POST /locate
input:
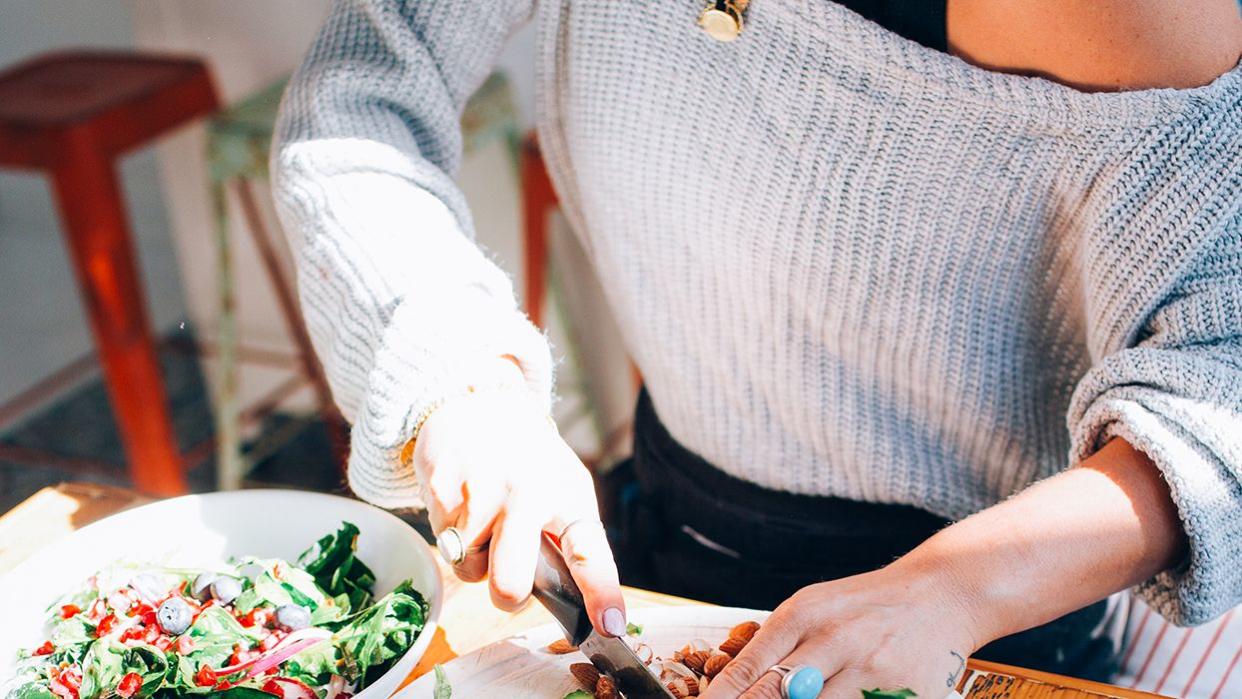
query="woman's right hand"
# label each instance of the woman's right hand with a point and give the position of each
(492, 465)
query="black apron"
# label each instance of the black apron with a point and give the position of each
(680, 526)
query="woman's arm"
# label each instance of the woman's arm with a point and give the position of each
(1057, 546)
(414, 325)
(403, 308)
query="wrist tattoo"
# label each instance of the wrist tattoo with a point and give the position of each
(951, 682)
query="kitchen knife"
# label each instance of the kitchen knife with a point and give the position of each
(559, 594)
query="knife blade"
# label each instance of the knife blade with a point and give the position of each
(559, 594)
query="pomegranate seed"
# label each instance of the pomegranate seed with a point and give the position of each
(129, 685)
(205, 677)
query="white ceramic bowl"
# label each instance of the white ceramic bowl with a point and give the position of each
(198, 529)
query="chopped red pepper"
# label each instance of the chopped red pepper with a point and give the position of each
(105, 625)
(133, 633)
(223, 686)
(68, 611)
(273, 687)
(164, 643)
(205, 677)
(129, 685)
(46, 649)
(185, 644)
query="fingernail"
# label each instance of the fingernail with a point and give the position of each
(614, 622)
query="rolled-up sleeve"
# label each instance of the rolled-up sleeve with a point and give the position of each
(402, 306)
(1176, 394)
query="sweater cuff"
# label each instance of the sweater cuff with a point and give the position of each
(428, 353)
(1193, 443)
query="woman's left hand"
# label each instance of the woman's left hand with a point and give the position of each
(898, 627)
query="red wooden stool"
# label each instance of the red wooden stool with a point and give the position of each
(72, 115)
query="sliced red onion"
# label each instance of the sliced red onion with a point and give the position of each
(292, 644)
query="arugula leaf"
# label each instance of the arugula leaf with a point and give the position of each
(241, 693)
(903, 693)
(443, 689)
(314, 665)
(335, 567)
(215, 633)
(72, 632)
(383, 631)
(148, 662)
(101, 667)
(35, 689)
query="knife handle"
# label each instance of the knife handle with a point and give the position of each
(558, 593)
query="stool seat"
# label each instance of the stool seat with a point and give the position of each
(117, 100)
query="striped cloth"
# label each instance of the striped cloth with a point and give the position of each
(1200, 662)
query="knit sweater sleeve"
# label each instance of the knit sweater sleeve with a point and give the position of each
(1175, 393)
(402, 306)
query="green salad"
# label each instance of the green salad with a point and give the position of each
(247, 629)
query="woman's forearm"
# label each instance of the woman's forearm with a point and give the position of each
(1060, 545)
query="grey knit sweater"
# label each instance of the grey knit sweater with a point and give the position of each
(845, 264)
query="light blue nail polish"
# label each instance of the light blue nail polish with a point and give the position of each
(804, 683)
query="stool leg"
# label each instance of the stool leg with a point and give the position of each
(89, 198)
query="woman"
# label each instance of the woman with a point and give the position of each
(868, 285)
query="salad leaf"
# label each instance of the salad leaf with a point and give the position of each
(73, 632)
(383, 631)
(903, 693)
(443, 689)
(148, 662)
(241, 693)
(633, 630)
(313, 666)
(35, 689)
(579, 694)
(214, 633)
(335, 567)
(102, 668)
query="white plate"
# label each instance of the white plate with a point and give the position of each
(197, 530)
(520, 668)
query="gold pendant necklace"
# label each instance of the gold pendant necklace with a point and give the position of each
(722, 19)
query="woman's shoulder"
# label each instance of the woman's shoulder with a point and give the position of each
(1101, 45)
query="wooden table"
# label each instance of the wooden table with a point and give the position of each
(468, 620)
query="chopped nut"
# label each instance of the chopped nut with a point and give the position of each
(696, 660)
(560, 647)
(605, 688)
(745, 630)
(733, 646)
(586, 674)
(715, 664)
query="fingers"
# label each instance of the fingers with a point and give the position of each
(769, 683)
(472, 511)
(589, 557)
(775, 640)
(514, 553)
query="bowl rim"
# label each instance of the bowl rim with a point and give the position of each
(434, 597)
